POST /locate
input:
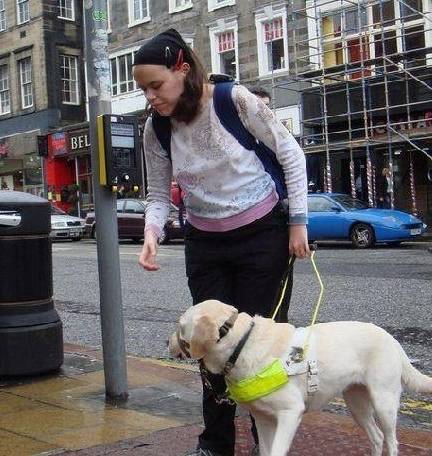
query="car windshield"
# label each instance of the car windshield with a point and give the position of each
(349, 203)
(57, 211)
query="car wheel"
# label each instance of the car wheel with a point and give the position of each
(362, 236)
(76, 239)
(163, 238)
(93, 232)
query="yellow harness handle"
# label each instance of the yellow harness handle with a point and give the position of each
(283, 291)
(317, 306)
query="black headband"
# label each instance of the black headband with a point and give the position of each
(163, 49)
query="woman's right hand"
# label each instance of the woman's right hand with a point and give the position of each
(147, 258)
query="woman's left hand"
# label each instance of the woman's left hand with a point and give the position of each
(298, 241)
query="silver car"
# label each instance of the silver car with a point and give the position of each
(65, 226)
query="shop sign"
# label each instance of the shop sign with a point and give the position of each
(418, 124)
(58, 144)
(79, 142)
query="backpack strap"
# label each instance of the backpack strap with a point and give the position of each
(227, 112)
(162, 129)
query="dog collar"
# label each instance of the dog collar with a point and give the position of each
(233, 358)
(223, 330)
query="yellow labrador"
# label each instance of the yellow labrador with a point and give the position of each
(359, 360)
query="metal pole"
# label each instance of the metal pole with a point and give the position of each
(387, 107)
(78, 192)
(44, 177)
(328, 187)
(98, 87)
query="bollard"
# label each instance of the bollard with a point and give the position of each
(31, 336)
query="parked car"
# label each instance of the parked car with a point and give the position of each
(336, 216)
(130, 220)
(65, 226)
(9, 218)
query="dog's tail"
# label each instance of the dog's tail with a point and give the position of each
(414, 380)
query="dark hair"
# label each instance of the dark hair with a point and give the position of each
(260, 92)
(169, 49)
(188, 103)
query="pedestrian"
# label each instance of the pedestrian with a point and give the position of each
(4, 185)
(359, 186)
(237, 236)
(386, 174)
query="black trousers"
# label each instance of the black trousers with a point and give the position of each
(243, 268)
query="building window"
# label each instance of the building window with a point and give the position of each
(23, 12)
(274, 43)
(66, 9)
(410, 10)
(215, 4)
(383, 14)
(272, 40)
(2, 16)
(385, 44)
(380, 35)
(69, 79)
(139, 11)
(25, 71)
(121, 74)
(179, 5)
(345, 40)
(227, 53)
(4, 90)
(393, 37)
(224, 48)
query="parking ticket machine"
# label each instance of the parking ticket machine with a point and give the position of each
(119, 151)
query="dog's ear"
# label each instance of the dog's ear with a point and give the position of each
(204, 334)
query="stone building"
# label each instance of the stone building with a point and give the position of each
(42, 76)
(251, 40)
(41, 83)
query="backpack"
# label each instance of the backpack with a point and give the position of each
(229, 118)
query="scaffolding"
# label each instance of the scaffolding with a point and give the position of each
(364, 72)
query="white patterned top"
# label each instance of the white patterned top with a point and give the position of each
(221, 179)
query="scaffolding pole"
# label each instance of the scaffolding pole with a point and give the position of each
(379, 52)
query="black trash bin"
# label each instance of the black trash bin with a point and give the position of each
(31, 336)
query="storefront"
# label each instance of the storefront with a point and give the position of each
(20, 165)
(372, 139)
(379, 174)
(68, 171)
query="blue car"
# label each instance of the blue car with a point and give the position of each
(335, 216)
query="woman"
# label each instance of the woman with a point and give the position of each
(236, 237)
